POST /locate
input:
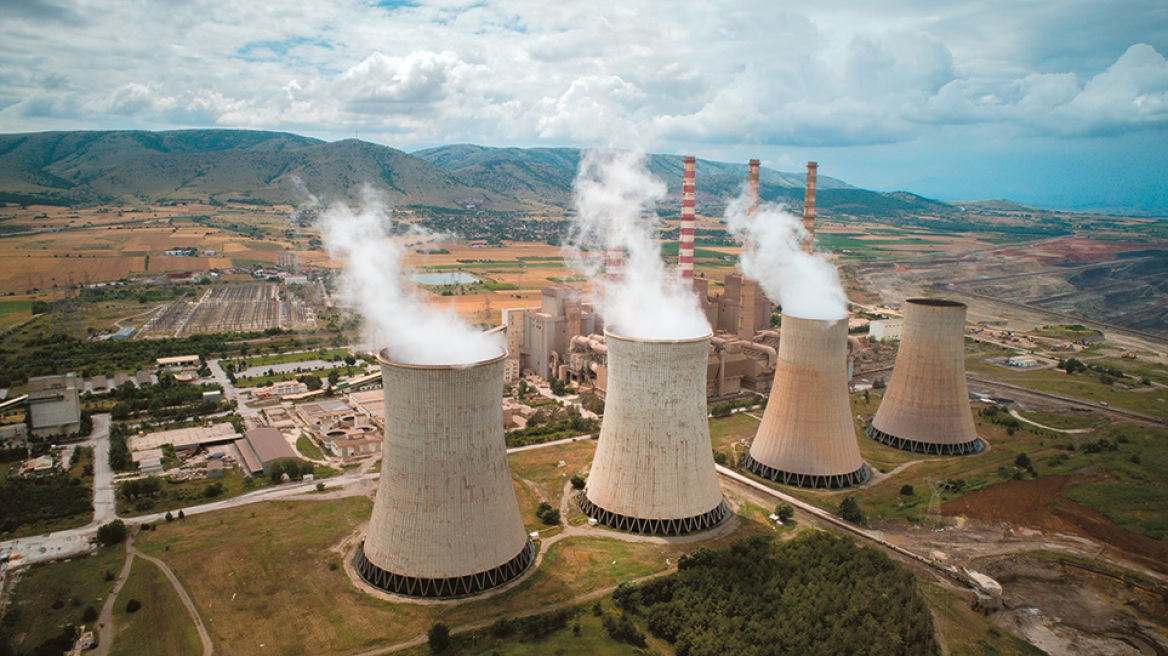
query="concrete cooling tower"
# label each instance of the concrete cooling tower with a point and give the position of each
(807, 437)
(926, 407)
(654, 468)
(446, 521)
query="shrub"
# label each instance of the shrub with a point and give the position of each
(578, 482)
(112, 533)
(785, 511)
(133, 605)
(438, 638)
(906, 490)
(547, 514)
(850, 511)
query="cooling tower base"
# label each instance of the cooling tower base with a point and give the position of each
(695, 524)
(455, 586)
(822, 481)
(928, 448)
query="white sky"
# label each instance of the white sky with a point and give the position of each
(1043, 102)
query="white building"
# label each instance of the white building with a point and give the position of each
(885, 328)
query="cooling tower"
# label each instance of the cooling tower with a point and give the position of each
(445, 522)
(926, 406)
(807, 437)
(654, 468)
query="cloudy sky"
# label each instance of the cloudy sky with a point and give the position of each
(1060, 104)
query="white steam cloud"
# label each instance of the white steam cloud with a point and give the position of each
(374, 283)
(614, 197)
(806, 285)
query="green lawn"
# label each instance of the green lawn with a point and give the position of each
(1062, 421)
(14, 307)
(331, 355)
(308, 448)
(161, 626)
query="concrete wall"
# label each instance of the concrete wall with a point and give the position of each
(445, 505)
(654, 460)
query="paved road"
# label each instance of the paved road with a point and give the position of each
(104, 508)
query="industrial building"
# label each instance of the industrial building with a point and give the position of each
(260, 447)
(538, 341)
(883, 329)
(446, 521)
(926, 407)
(807, 437)
(54, 405)
(654, 469)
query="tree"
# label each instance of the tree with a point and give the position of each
(578, 482)
(850, 511)
(1022, 461)
(169, 517)
(785, 511)
(439, 638)
(181, 514)
(906, 490)
(133, 605)
(111, 533)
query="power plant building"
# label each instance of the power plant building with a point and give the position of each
(446, 521)
(807, 437)
(538, 341)
(54, 405)
(654, 469)
(926, 406)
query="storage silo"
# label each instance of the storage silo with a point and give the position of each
(654, 469)
(446, 521)
(807, 437)
(926, 406)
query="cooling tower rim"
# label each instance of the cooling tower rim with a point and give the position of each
(384, 358)
(935, 302)
(825, 322)
(608, 334)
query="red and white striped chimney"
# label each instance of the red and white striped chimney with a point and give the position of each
(612, 265)
(809, 209)
(685, 246)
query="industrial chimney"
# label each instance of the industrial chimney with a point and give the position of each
(809, 209)
(654, 469)
(926, 406)
(807, 437)
(752, 187)
(685, 246)
(446, 522)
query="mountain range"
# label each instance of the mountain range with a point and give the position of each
(275, 167)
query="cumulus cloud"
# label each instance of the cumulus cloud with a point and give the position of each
(576, 74)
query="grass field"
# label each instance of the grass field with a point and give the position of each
(308, 448)
(192, 493)
(161, 626)
(1054, 420)
(49, 596)
(328, 355)
(263, 574)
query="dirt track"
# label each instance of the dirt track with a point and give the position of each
(1040, 504)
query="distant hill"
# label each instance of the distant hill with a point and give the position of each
(276, 167)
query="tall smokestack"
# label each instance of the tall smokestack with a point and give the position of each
(806, 437)
(685, 247)
(926, 406)
(654, 469)
(752, 188)
(445, 522)
(809, 208)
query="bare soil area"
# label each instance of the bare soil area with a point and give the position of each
(1040, 503)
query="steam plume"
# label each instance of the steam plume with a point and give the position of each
(373, 282)
(806, 285)
(614, 197)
